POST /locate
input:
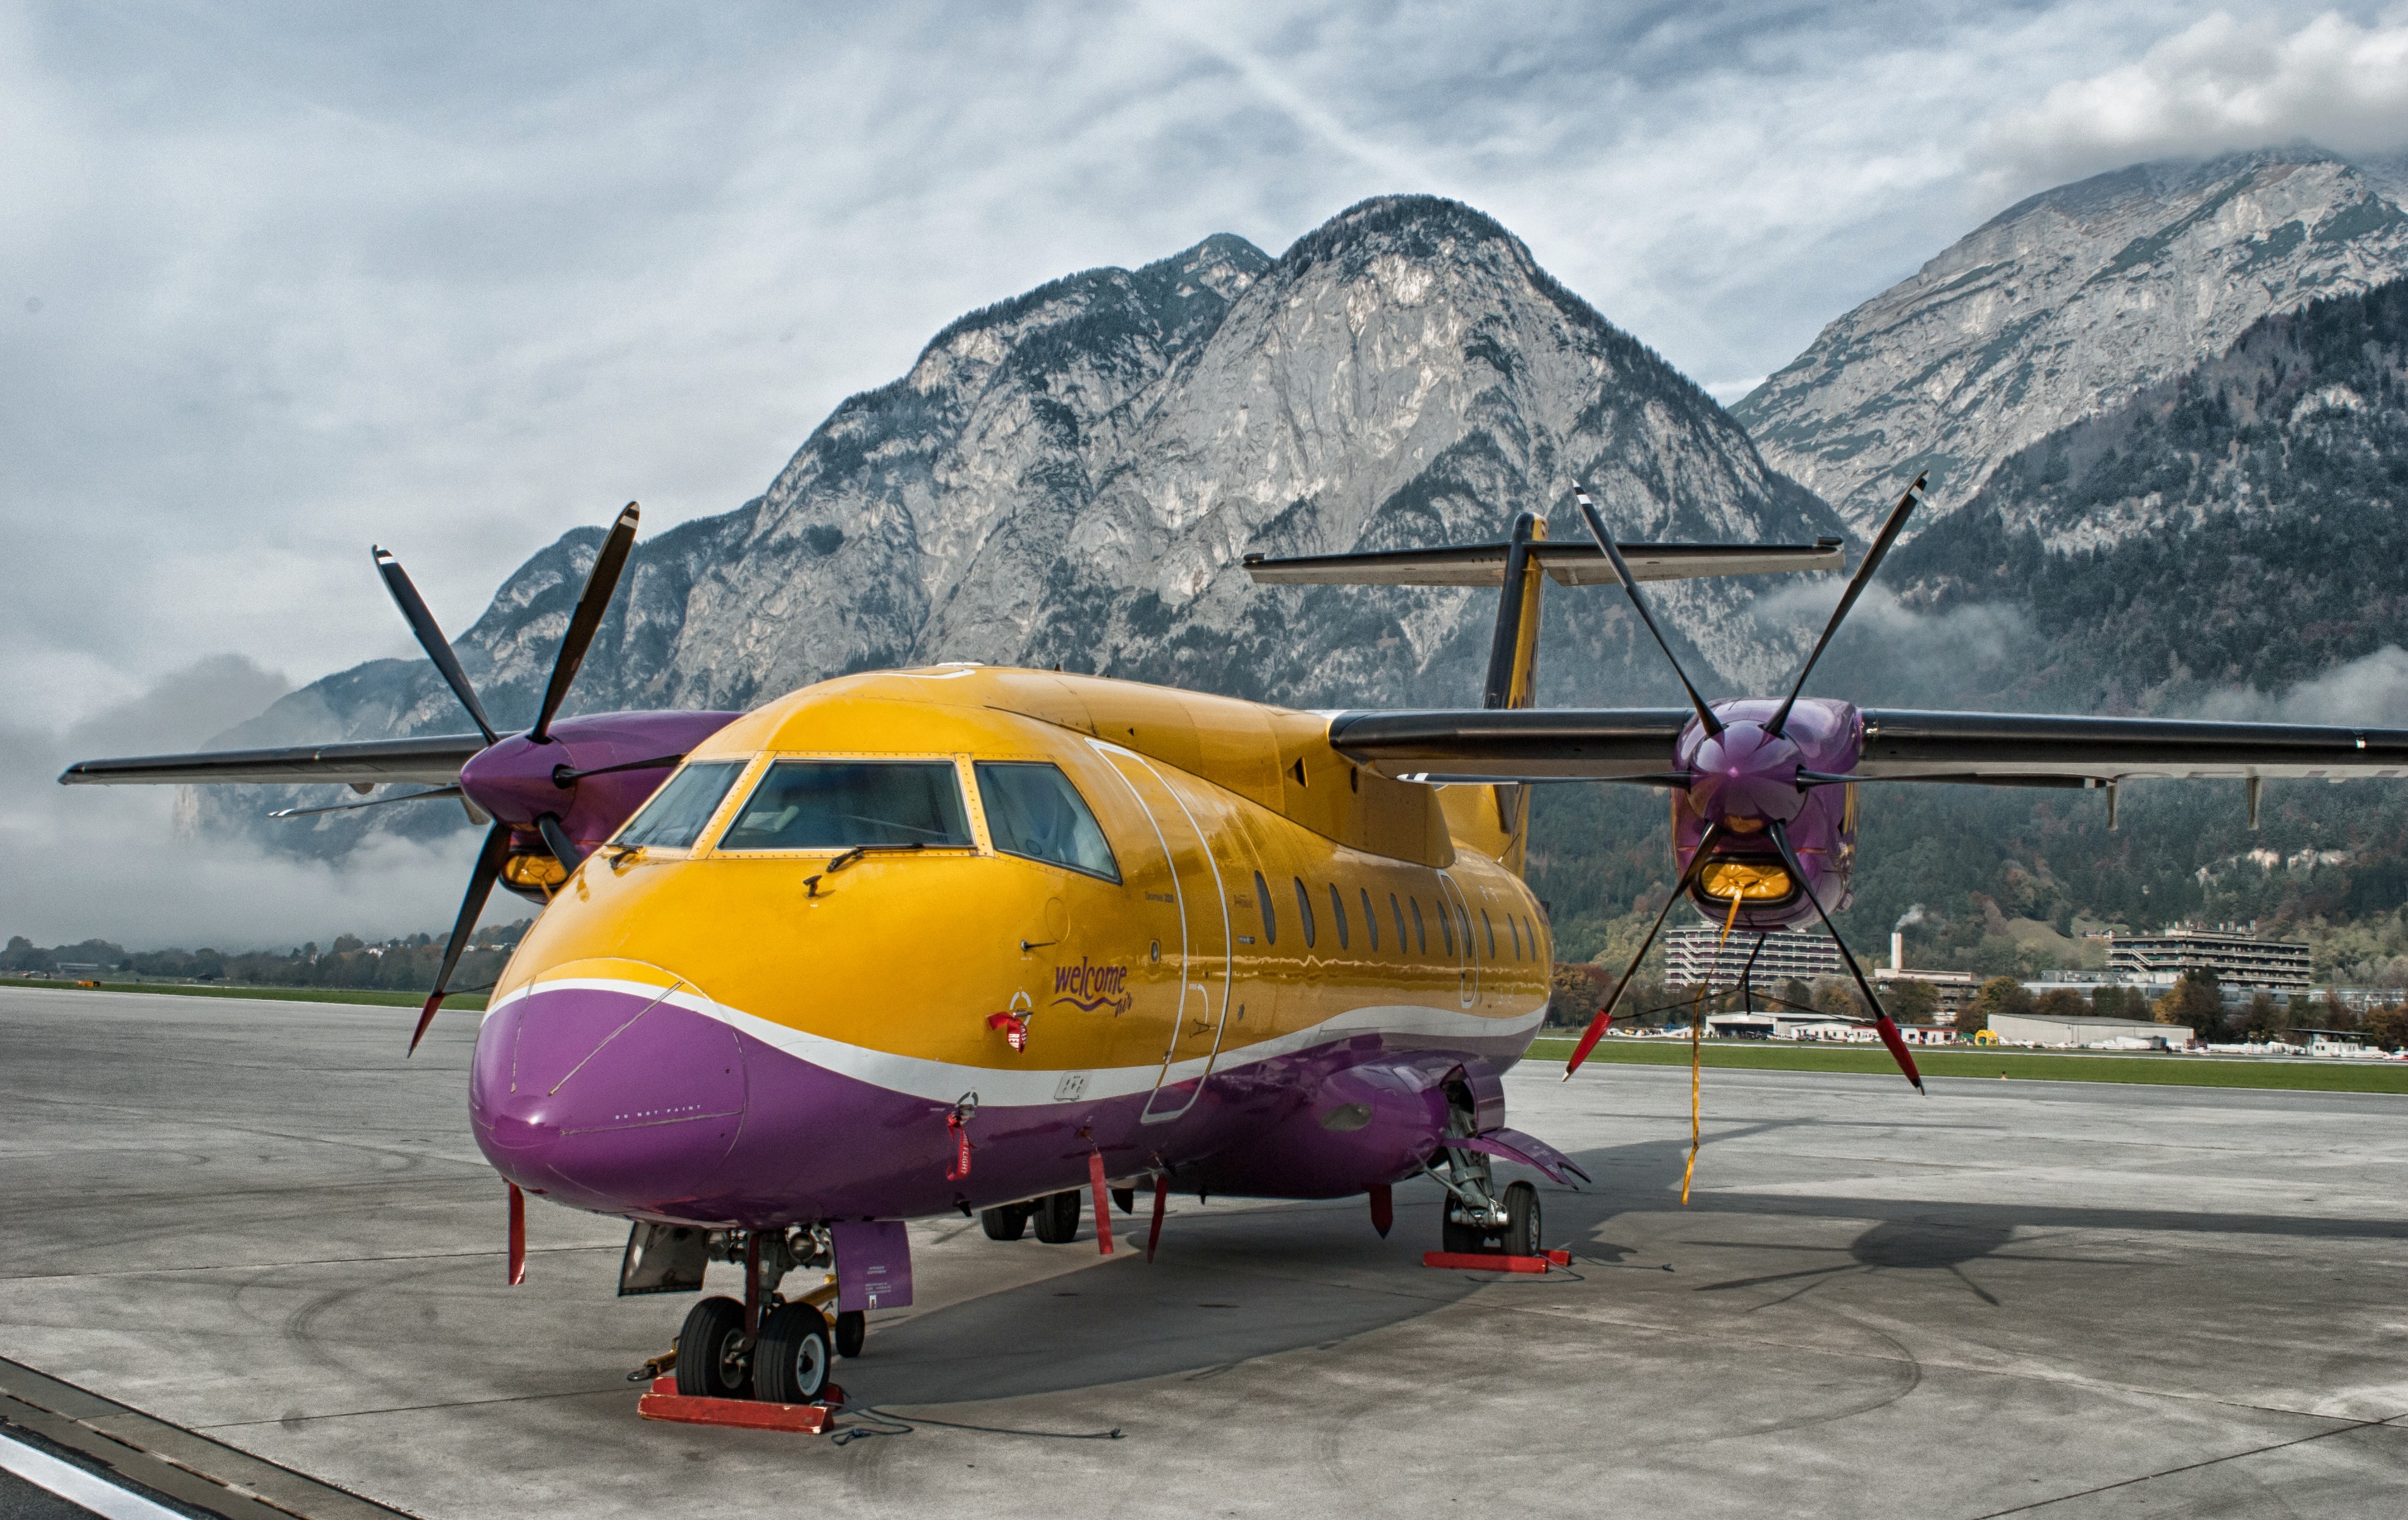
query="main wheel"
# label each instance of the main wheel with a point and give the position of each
(791, 1364)
(711, 1358)
(852, 1329)
(1523, 1232)
(1009, 1223)
(1057, 1217)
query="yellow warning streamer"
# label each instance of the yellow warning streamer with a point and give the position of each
(1697, 1046)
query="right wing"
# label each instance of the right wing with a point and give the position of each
(433, 759)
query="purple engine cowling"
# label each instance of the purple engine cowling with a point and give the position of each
(1745, 779)
(517, 780)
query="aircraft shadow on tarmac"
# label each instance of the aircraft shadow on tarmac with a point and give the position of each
(1248, 1282)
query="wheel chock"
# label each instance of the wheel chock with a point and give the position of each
(1495, 1261)
(664, 1402)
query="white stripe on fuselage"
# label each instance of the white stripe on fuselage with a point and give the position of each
(944, 1081)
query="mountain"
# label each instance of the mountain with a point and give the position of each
(1074, 475)
(2062, 306)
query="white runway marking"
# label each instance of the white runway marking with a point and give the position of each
(77, 1486)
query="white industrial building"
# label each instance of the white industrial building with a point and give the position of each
(2236, 959)
(2085, 1033)
(1697, 953)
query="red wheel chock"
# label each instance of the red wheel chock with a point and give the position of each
(666, 1403)
(1495, 1261)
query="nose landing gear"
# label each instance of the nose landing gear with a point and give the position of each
(768, 1347)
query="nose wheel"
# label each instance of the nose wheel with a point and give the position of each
(713, 1359)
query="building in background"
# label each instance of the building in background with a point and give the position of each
(2089, 1032)
(1691, 957)
(2236, 959)
(1955, 988)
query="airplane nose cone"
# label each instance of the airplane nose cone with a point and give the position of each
(604, 1092)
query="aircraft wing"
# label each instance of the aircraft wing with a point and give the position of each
(434, 759)
(1510, 744)
(2047, 749)
(1567, 562)
(1992, 749)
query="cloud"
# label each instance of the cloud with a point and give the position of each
(2370, 692)
(112, 862)
(2220, 84)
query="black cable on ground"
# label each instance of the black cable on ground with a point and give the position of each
(904, 1427)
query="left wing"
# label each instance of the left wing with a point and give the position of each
(1996, 749)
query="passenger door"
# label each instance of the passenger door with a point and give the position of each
(1451, 901)
(1181, 819)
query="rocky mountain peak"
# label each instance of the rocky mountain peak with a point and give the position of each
(1074, 476)
(2060, 307)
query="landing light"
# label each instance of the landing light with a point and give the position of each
(1729, 879)
(534, 871)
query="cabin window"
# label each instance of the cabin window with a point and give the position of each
(1513, 927)
(1534, 937)
(680, 810)
(1304, 910)
(1421, 936)
(1445, 926)
(1465, 919)
(1033, 810)
(1397, 914)
(1489, 924)
(840, 804)
(1338, 911)
(1270, 920)
(1370, 920)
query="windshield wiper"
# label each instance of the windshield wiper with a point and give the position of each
(853, 854)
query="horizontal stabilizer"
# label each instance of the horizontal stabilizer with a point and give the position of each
(1566, 562)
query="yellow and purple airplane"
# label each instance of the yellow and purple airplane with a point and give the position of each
(989, 940)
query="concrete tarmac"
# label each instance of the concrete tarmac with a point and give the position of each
(257, 1222)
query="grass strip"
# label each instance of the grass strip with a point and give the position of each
(2326, 1074)
(376, 996)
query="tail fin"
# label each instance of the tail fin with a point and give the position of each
(1513, 667)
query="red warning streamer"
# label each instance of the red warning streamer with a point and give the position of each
(1103, 1202)
(518, 1236)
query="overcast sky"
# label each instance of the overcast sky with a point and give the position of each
(287, 280)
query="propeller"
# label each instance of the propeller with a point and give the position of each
(600, 582)
(1884, 1024)
(430, 637)
(1630, 584)
(1856, 584)
(583, 624)
(487, 870)
(1595, 1030)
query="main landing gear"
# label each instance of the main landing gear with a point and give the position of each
(1056, 1216)
(768, 1346)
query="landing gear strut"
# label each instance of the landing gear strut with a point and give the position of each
(765, 1346)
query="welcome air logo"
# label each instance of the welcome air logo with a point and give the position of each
(1093, 989)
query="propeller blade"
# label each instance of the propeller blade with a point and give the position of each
(431, 640)
(372, 802)
(1884, 1024)
(1856, 584)
(600, 582)
(1605, 1015)
(556, 839)
(1630, 585)
(472, 906)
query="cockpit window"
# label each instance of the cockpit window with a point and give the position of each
(676, 816)
(837, 804)
(1032, 810)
